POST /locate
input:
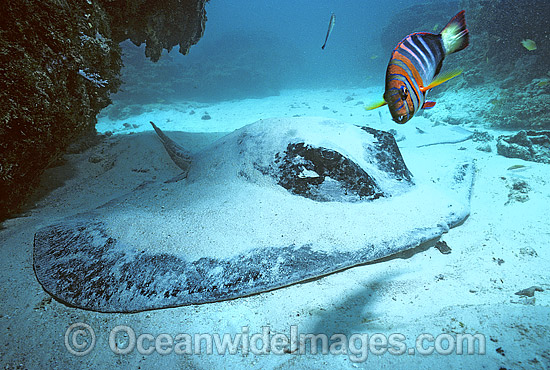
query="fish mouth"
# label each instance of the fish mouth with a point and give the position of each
(400, 111)
(400, 119)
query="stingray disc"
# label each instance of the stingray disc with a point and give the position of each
(277, 202)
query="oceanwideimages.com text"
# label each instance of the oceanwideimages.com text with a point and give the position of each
(80, 339)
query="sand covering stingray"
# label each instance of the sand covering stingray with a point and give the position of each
(277, 202)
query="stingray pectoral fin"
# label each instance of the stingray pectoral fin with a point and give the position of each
(180, 156)
(375, 105)
(442, 78)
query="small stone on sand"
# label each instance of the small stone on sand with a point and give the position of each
(530, 292)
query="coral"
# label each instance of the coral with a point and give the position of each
(498, 58)
(58, 67)
(527, 145)
(60, 61)
(517, 109)
(158, 24)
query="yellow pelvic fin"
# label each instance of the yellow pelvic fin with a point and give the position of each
(375, 105)
(442, 78)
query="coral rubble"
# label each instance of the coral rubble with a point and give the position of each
(527, 145)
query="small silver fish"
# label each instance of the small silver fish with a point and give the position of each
(330, 27)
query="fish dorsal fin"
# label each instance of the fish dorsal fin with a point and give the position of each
(442, 78)
(375, 105)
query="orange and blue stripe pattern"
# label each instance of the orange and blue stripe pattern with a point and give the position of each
(414, 65)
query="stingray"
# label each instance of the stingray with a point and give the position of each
(277, 202)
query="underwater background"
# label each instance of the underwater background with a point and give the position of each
(257, 49)
(272, 46)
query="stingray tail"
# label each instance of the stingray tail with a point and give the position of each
(180, 156)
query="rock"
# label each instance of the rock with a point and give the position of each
(58, 67)
(443, 247)
(529, 292)
(84, 143)
(527, 145)
(519, 191)
(486, 147)
(206, 116)
(158, 24)
(482, 136)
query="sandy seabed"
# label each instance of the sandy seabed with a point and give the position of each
(502, 248)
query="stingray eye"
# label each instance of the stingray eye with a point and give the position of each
(403, 92)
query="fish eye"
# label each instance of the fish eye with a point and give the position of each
(403, 92)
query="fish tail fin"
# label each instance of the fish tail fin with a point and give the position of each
(455, 35)
(375, 105)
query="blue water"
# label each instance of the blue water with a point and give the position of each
(298, 29)
(255, 49)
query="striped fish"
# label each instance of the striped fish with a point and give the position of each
(414, 68)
